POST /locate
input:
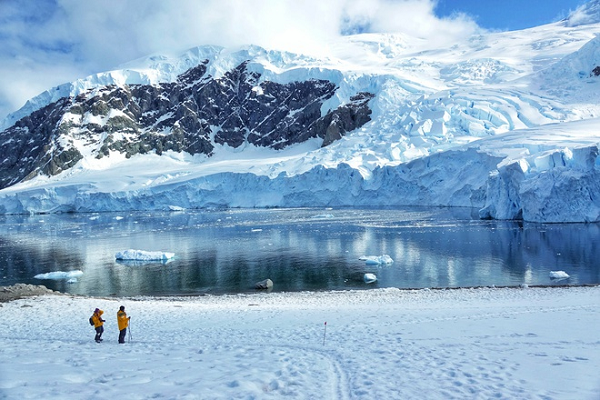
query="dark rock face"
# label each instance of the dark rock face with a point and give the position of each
(596, 71)
(190, 115)
(33, 146)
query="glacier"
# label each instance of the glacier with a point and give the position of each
(507, 123)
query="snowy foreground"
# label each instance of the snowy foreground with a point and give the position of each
(533, 343)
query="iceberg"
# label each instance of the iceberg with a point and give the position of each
(377, 260)
(559, 275)
(60, 275)
(141, 255)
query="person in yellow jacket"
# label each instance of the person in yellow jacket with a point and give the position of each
(123, 321)
(98, 324)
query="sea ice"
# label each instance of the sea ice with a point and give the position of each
(141, 255)
(59, 275)
(377, 260)
(558, 275)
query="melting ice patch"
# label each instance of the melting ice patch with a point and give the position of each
(141, 255)
(60, 275)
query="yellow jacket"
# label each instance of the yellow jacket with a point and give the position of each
(122, 320)
(97, 318)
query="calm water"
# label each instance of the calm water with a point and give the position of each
(299, 249)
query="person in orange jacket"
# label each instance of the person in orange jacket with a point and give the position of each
(98, 324)
(123, 321)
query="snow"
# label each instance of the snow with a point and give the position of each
(143, 255)
(60, 275)
(531, 343)
(506, 122)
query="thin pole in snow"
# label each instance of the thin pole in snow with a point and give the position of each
(324, 333)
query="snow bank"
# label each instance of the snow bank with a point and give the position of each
(60, 275)
(376, 344)
(141, 255)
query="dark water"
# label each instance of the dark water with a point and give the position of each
(298, 249)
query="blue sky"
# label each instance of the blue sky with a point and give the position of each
(44, 43)
(509, 14)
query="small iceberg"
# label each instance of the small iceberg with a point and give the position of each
(369, 278)
(559, 275)
(323, 216)
(377, 260)
(141, 255)
(60, 275)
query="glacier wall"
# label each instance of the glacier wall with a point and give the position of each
(557, 186)
(452, 178)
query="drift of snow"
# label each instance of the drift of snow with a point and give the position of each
(60, 275)
(142, 255)
(535, 343)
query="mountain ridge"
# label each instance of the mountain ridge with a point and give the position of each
(380, 105)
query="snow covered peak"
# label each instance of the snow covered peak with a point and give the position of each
(164, 68)
(586, 14)
(398, 120)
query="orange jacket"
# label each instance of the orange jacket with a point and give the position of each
(97, 318)
(122, 320)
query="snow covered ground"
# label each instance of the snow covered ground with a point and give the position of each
(530, 343)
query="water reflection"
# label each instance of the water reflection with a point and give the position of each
(299, 249)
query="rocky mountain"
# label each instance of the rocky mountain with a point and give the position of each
(191, 115)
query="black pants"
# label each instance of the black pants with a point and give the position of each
(122, 333)
(99, 331)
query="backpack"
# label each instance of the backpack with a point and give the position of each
(92, 320)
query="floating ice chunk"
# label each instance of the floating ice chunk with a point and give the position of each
(72, 280)
(141, 255)
(322, 216)
(369, 278)
(377, 260)
(60, 275)
(559, 275)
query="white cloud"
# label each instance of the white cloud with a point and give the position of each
(69, 39)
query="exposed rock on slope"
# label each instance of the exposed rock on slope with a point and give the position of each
(190, 115)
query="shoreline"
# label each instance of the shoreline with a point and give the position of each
(21, 290)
